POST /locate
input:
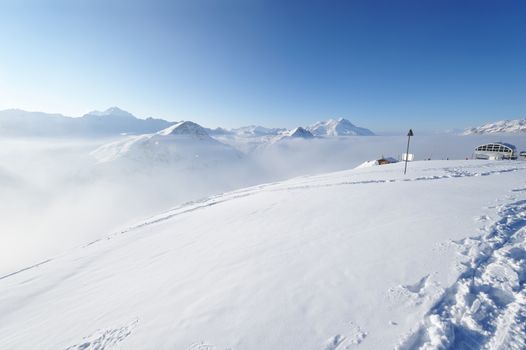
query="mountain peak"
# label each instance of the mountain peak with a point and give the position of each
(338, 127)
(185, 128)
(344, 121)
(300, 132)
(112, 111)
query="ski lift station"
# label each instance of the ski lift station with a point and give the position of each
(495, 151)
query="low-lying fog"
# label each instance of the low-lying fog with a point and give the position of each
(54, 194)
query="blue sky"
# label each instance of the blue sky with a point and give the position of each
(387, 65)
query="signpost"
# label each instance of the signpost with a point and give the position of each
(409, 134)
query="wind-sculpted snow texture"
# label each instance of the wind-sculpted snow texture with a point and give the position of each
(358, 259)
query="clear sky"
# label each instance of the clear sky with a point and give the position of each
(385, 65)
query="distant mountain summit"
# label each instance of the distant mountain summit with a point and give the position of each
(115, 121)
(500, 127)
(299, 132)
(111, 112)
(186, 128)
(338, 127)
(185, 144)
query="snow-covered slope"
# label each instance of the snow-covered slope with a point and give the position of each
(183, 142)
(503, 126)
(338, 127)
(365, 258)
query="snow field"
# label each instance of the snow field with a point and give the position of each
(365, 258)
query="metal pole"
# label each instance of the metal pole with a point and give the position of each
(409, 134)
(407, 154)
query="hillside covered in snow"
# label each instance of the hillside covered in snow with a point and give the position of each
(500, 127)
(182, 142)
(366, 258)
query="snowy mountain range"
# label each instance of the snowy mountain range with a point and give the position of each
(328, 128)
(503, 126)
(113, 121)
(338, 127)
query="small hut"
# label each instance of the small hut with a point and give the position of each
(385, 160)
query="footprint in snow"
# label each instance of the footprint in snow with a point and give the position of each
(416, 293)
(105, 338)
(482, 218)
(418, 287)
(203, 346)
(353, 337)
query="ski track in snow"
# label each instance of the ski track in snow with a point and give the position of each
(221, 198)
(486, 307)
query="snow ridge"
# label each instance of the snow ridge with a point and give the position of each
(486, 307)
(503, 126)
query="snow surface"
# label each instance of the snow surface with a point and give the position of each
(365, 258)
(503, 126)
